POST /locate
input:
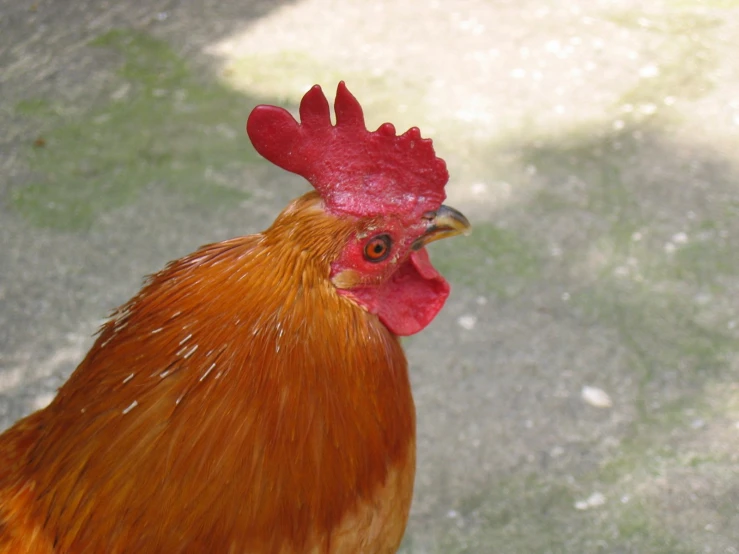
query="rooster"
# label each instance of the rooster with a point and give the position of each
(254, 397)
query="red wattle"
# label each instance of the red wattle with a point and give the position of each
(412, 297)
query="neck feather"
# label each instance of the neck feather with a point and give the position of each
(237, 399)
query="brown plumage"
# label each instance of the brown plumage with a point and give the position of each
(249, 399)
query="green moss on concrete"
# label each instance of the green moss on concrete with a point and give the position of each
(491, 260)
(528, 513)
(147, 61)
(662, 334)
(596, 162)
(163, 127)
(35, 107)
(703, 260)
(682, 54)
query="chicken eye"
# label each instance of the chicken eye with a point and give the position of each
(377, 248)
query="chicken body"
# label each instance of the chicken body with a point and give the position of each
(238, 404)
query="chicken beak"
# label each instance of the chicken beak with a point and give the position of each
(444, 222)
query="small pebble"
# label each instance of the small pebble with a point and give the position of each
(596, 397)
(556, 452)
(467, 322)
(594, 500)
(680, 238)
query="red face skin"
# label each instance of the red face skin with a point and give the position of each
(404, 290)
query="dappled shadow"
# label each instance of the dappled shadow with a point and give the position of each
(630, 286)
(605, 260)
(51, 59)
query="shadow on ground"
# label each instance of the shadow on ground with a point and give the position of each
(616, 270)
(602, 257)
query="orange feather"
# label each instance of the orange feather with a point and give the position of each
(238, 403)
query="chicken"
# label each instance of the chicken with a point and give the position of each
(254, 396)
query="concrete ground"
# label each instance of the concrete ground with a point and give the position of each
(579, 392)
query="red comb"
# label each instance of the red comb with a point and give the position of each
(355, 171)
